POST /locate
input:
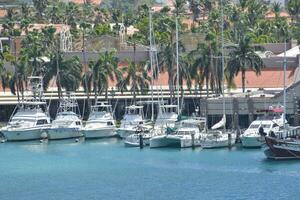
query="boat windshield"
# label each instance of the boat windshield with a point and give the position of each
(266, 125)
(254, 126)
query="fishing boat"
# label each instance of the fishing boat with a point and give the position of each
(132, 120)
(30, 119)
(167, 117)
(286, 145)
(100, 123)
(67, 123)
(272, 120)
(188, 134)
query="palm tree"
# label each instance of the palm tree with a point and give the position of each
(67, 72)
(136, 75)
(5, 75)
(102, 71)
(70, 73)
(194, 6)
(293, 7)
(40, 7)
(179, 7)
(241, 58)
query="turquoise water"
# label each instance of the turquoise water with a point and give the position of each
(104, 169)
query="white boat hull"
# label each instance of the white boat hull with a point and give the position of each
(134, 140)
(164, 141)
(211, 143)
(24, 134)
(251, 141)
(64, 133)
(99, 133)
(124, 133)
(173, 141)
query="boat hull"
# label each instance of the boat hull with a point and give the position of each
(173, 141)
(99, 133)
(23, 135)
(279, 150)
(64, 133)
(217, 144)
(251, 142)
(165, 141)
(124, 133)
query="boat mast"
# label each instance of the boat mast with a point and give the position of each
(284, 86)
(223, 74)
(177, 66)
(151, 64)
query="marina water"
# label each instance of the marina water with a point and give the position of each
(104, 169)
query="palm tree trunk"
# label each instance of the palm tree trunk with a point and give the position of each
(243, 80)
(106, 93)
(95, 92)
(206, 79)
(85, 69)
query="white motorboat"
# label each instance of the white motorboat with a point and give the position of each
(30, 119)
(141, 137)
(188, 134)
(218, 139)
(67, 123)
(271, 121)
(132, 120)
(100, 123)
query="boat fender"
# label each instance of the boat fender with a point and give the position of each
(44, 135)
(76, 140)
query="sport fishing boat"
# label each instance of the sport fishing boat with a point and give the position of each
(100, 123)
(167, 117)
(272, 120)
(132, 120)
(286, 145)
(67, 123)
(30, 119)
(188, 134)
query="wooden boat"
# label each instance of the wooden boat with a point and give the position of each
(288, 148)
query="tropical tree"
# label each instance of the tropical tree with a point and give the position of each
(136, 75)
(66, 71)
(241, 58)
(102, 71)
(40, 7)
(5, 75)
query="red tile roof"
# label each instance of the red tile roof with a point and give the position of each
(269, 78)
(3, 13)
(271, 15)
